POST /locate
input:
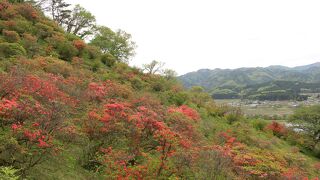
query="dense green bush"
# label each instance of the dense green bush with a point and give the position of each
(66, 50)
(8, 173)
(259, 124)
(108, 59)
(11, 49)
(21, 26)
(91, 52)
(44, 31)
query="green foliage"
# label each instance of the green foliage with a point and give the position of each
(11, 49)
(66, 51)
(21, 26)
(81, 22)
(308, 119)
(108, 59)
(43, 30)
(8, 173)
(233, 115)
(259, 124)
(118, 43)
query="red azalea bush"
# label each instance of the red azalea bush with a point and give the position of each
(187, 111)
(79, 44)
(11, 36)
(145, 132)
(277, 129)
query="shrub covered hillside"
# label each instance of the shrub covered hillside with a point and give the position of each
(71, 110)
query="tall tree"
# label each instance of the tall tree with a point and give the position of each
(58, 10)
(81, 22)
(153, 67)
(169, 73)
(118, 44)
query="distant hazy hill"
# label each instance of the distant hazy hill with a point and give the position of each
(236, 82)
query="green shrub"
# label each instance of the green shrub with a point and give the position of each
(8, 173)
(108, 59)
(259, 124)
(44, 31)
(176, 98)
(22, 26)
(11, 49)
(71, 37)
(96, 65)
(233, 115)
(66, 50)
(91, 52)
(137, 83)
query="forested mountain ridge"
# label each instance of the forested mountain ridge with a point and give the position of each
(210, 79)
(270, 83)
(76, 110)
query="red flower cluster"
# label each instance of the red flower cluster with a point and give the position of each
(16, 127)
(33, 84)
(6, 104)
(38, 137)
(277, 128)
(187, 111)
(79, 44)
(97, 91)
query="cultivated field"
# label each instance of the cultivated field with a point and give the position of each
(266, 108)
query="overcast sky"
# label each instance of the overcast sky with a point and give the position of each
(192, 34)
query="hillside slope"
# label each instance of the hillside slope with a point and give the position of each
(70, 111)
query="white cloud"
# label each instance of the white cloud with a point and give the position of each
(191, 34)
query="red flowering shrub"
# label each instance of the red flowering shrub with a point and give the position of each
(4, 5)
(7, 11)
(293, 173)
(97, 91)
(76, 61)
(145, 133)
(11, 36)
(118, 167)
(27, 11)
(10, 24)
(277, 129)
(34, 108)
(107, 90)
(6, 105)
(187, 111)
(6, 109)
(253, 161)
(79, 44)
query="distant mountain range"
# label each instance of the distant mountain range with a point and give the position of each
(238, 82)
